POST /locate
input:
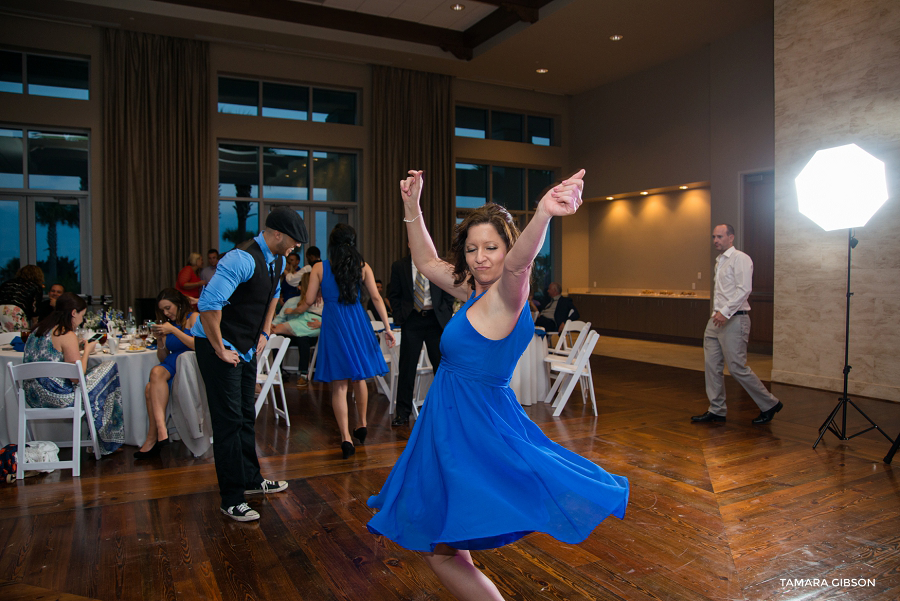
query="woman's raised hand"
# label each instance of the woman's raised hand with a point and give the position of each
(411, 189)
(565, 197)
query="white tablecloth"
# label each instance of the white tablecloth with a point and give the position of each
(134, 373)
(529, 379)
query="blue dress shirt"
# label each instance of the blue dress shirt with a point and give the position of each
(234, 268)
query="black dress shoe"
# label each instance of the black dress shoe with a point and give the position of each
(765, 417)
(360, 434)
(400, 421)
(708, 417)
(347, 448)
(154, 450)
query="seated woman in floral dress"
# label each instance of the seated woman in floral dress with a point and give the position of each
(301, 322)
(54, 339)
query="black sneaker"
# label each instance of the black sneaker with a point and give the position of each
(241, 513)
(267, 486)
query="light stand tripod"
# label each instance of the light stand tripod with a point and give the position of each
(843, 400)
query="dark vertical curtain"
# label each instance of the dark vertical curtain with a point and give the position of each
(158, 201)
(412, 128)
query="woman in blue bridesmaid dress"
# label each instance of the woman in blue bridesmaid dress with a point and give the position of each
(348, 350)
(477, 473)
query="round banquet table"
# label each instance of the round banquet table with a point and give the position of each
(134, 372)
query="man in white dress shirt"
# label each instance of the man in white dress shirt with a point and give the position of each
(728, 331)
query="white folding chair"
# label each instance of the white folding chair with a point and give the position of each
(565, 341)
(268, 373)
(371, 315)
(7, 337)
(312, 362)
(565, 344)
(424, 377)
(391, 355)
(576, 367)
(81, 407)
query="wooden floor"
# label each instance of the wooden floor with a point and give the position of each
(722, 511)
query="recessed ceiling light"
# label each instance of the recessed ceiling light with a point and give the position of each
(609, 198)
(615, 38)
(682, 187)
(458, 7)
(644, 193)
(542, 70)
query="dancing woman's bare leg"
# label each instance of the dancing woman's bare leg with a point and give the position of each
(456, 570)
(339, 405)
(361, 392)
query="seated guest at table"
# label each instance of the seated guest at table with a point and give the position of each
(290, 279)
(387, 303)
(555, 310)
(313, 256)
(20, 298)
(301, 322)
(175, 317)
(212, 259)
(47, 306)
(188, 282)
(54, 339)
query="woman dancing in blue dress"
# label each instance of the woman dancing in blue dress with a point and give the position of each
(348, 350)
(476, 472)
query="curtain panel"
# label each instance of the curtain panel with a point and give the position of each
(412, 128)
(158, 197)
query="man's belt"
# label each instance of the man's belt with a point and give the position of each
(423, 312)
(740, 313)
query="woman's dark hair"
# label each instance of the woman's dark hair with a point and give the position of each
(60, 321)
(179, 300)
(346, 262)
(31, 273)
(490, 213)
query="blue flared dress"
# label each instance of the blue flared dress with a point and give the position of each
(477, 473)
(348, 348)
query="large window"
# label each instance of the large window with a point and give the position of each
(518, 189)
(287, 101)
(503, 125)
(42, 75)
(321, 185)
(43, 202)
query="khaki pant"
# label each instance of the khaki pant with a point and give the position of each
(729, 343)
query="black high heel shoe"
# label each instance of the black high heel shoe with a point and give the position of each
(347, 448)
(154, 450)
(360, 433)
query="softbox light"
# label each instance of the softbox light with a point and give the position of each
(841, 187)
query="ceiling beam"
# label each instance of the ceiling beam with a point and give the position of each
(343, 20)
(525, 10)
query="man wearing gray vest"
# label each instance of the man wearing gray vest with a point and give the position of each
(728, 331)
(236, 310)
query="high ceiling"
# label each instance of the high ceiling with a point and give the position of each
(496, 41)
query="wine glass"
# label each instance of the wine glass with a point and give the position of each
(143, 332)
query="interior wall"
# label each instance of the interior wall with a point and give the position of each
(660, 241)
(649, 130)
(704, 117)
(830, 90)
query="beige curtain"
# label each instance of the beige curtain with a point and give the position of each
(158, 198)
(412, 128)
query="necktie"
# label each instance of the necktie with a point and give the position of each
(419, 291)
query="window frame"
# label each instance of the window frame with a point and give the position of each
(312, 208)
(310, 89)
(489, 124)
(24, 54)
